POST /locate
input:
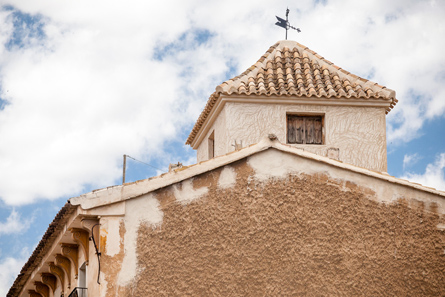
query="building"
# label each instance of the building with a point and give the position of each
(290, 197)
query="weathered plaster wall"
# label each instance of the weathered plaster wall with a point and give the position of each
(279, 224)
(358, 132)
(111, 265)
(221, 145)
(91, 270)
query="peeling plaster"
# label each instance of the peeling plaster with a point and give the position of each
(273, 163)
(145, 209)
(126, 192)
(291, 235)
(104, 283)
(186, 193)
(227, 178)
(113, 246)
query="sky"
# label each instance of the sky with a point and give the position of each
(84, 82)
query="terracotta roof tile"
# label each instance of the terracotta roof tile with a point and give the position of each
(42, 248)
(291, 69)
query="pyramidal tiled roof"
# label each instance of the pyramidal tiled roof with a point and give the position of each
(291, 69)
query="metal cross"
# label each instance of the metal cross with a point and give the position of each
(285, 23)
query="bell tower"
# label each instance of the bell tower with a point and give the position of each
(306, 101)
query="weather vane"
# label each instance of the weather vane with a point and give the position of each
(285, 23)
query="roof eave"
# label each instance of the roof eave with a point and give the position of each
(207, 119)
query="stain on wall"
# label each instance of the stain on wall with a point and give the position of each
(304, 234)
(110, 268)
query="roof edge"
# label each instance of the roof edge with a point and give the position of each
(128, 191)
(47, 241)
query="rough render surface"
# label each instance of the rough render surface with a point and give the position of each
(279, 231)
(358, 132)
(142, 210)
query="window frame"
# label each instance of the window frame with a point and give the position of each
(304, 116)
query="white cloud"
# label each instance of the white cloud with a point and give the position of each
(15, 224)
(409, 160)
(91, 90)
(9, 269)
(434, 175)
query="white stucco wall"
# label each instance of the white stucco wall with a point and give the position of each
(358, 132)
(221, 139)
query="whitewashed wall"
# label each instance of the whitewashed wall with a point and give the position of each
(358, 132)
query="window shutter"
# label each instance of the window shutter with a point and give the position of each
(291, 131)
(299, 124)
(295, 129)
(304, 129)
(309, 127)
(318, 128)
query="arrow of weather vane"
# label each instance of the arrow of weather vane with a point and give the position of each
(285, 23)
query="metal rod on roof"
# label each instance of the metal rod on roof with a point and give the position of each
(284, 23)
(125, 165)
(287, 20)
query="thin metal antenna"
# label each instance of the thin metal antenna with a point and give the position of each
(284, 23)
(287, 19)
(125, 165)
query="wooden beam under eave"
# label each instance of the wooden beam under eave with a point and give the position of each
(33, 293)
(58, 272)
(65, 264)
(71, 251)
(93, 227)
(82, 237)
(50, 280)
(42, 289)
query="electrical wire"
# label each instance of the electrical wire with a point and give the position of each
(145, 163)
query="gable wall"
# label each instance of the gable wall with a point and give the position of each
(279, 224)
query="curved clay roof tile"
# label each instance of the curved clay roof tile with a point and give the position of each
(252, 88)
(272, 90)
(232, 90)
(242, 89)
(322, 93)
(341, 93)
(331, 92)
(262, 90)
(293, 91)
(351, 92)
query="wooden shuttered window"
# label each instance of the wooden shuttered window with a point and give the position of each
(304, 129)
(212, 145)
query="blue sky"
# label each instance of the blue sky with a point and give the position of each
(83, 83)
